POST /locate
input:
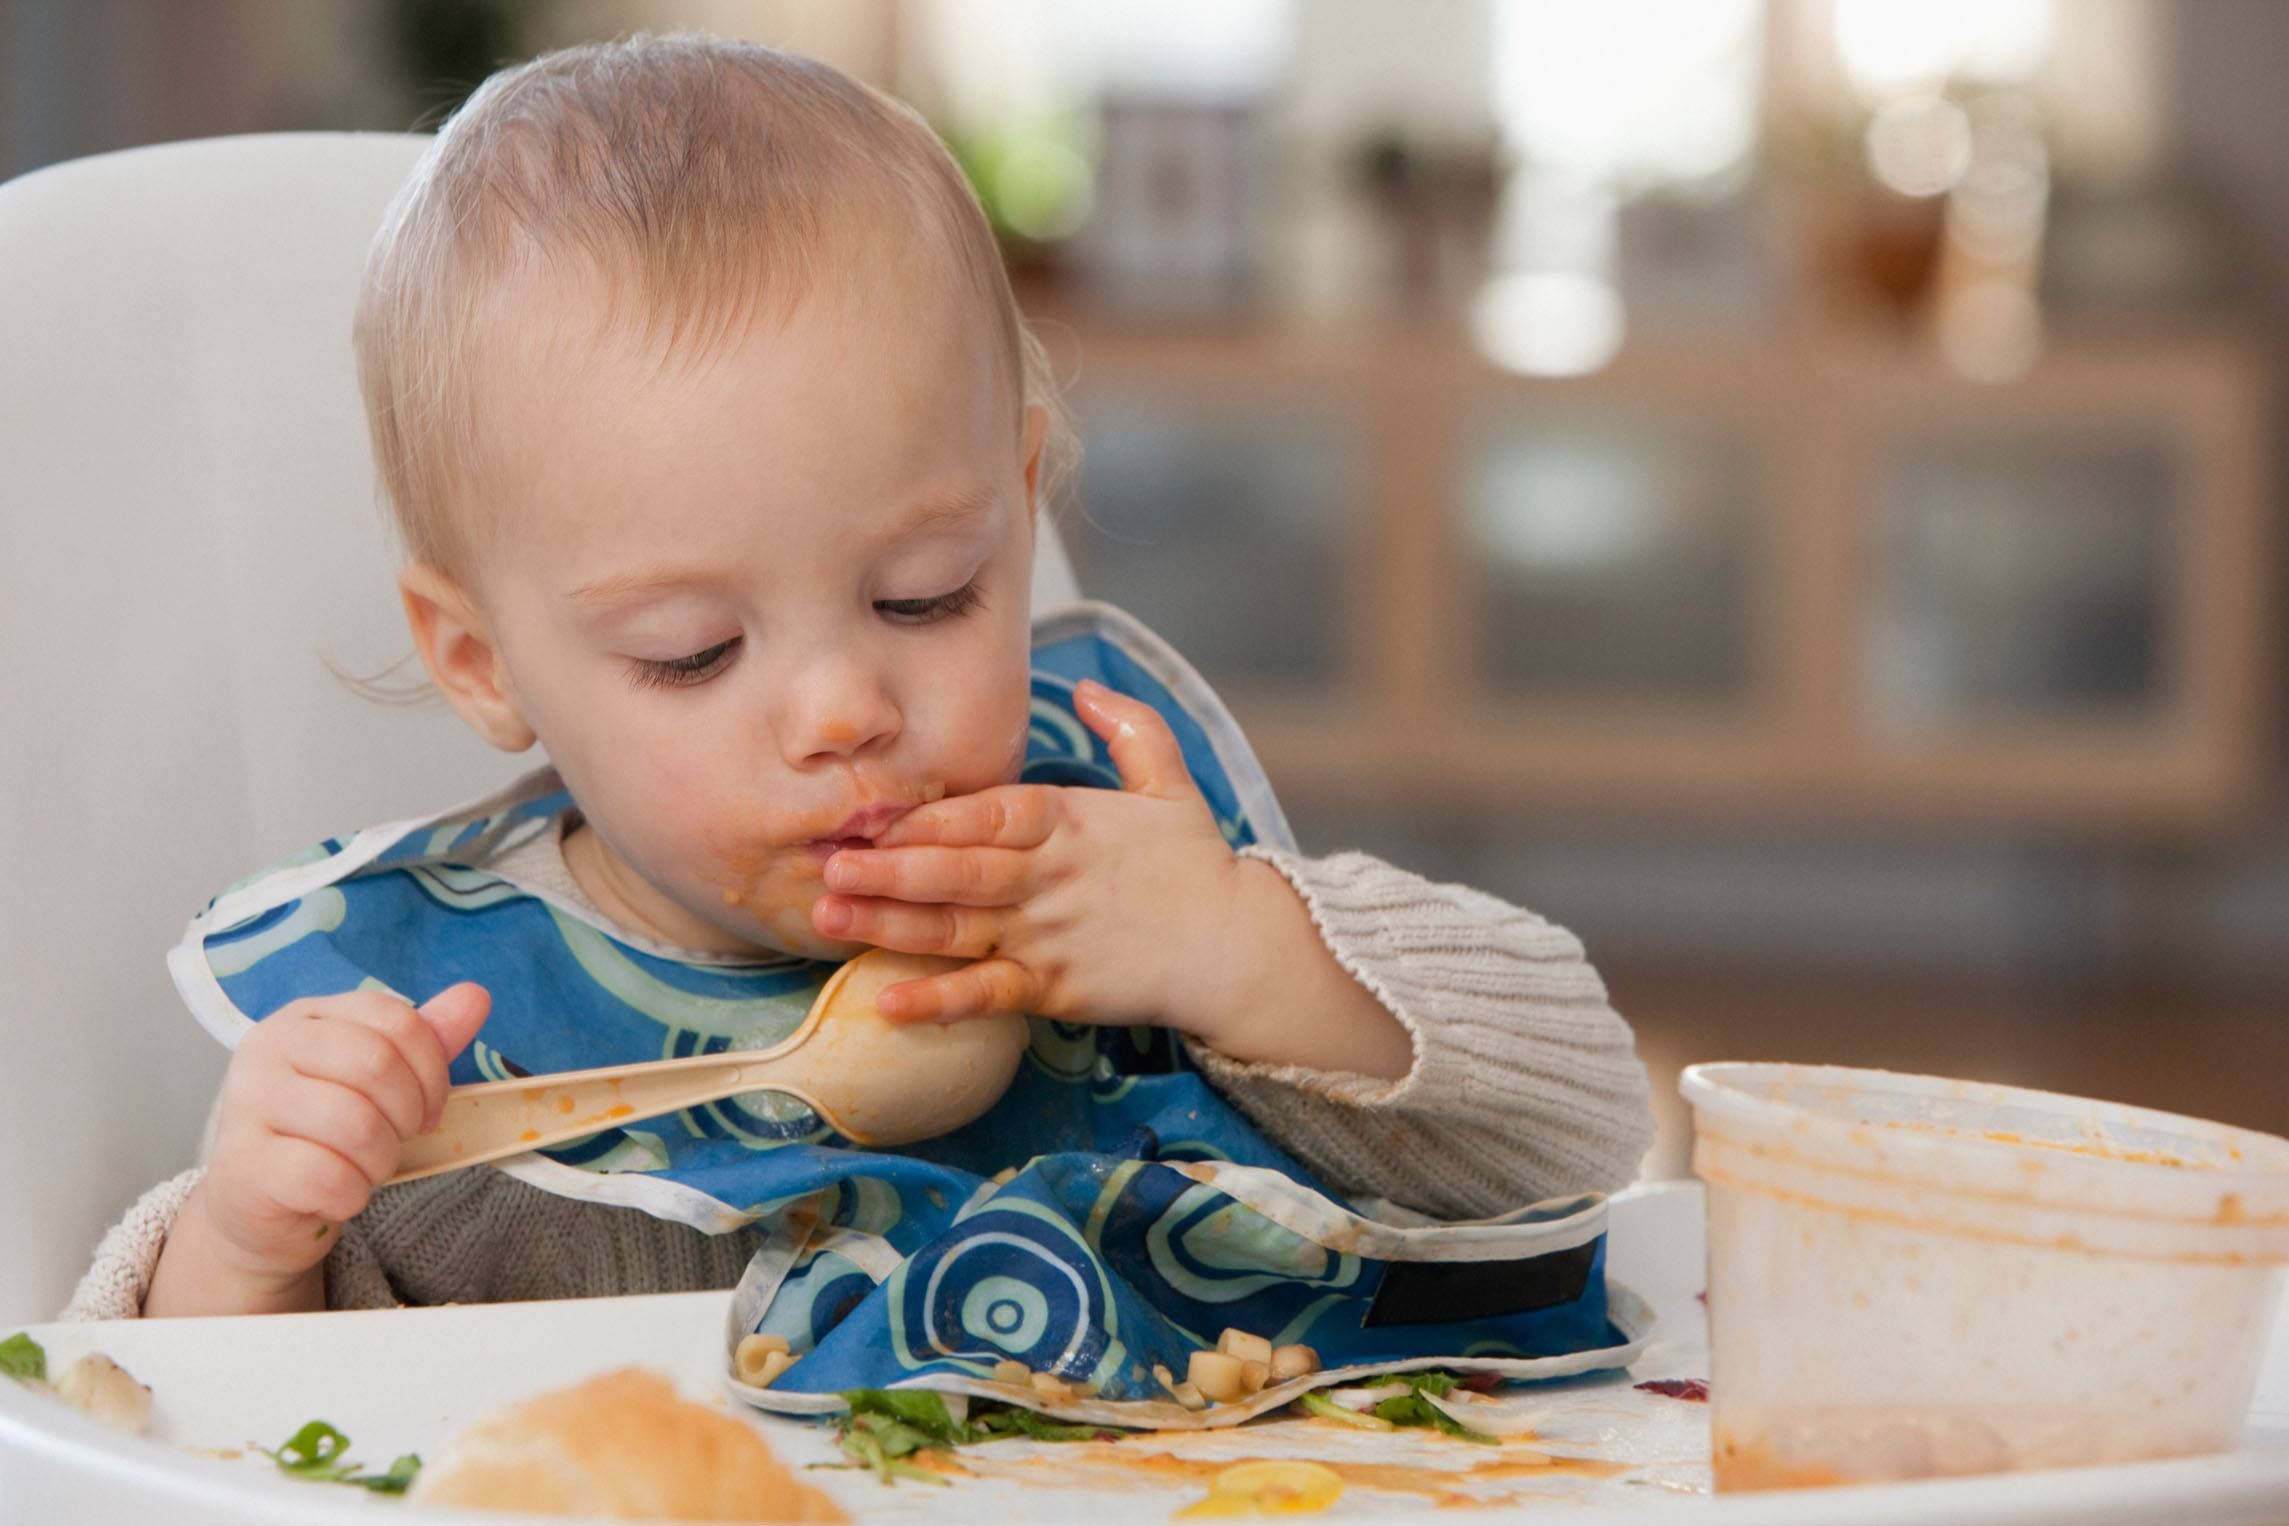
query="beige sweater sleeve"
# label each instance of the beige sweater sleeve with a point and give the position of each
(1526, 1083)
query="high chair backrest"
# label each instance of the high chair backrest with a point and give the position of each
(189, 531)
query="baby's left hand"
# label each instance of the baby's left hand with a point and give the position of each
(1085, 905)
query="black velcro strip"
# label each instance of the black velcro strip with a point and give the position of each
(1440, 1292)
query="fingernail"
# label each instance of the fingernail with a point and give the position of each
(831, 917)
(841, 874)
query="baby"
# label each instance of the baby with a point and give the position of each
(719, 449)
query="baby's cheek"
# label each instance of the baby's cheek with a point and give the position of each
(988, 740)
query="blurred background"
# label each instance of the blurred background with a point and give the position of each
(1786, 488)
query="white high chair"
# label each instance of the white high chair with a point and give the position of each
(188, 527)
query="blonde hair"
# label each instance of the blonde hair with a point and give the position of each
(703, 179)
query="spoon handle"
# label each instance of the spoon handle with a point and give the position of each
(491, 1119)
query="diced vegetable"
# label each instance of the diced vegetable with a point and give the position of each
(1216, 1374)
(101, 1389)
(1293, 1362)
(1248, 1348)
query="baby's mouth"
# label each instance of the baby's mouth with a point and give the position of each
(867, 824)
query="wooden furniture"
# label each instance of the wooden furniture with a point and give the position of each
(1808, 572)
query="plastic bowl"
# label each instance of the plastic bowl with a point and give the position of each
(1912, 1277)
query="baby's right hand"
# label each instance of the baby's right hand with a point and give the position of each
(318, 1101)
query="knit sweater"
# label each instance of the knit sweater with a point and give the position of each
(1525, 1084)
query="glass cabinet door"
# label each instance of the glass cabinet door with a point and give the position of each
(2019, 579)
(1614, 561)
(1228, 531)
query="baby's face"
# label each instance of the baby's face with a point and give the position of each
(757, 601)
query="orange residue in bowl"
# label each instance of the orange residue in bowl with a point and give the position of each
(1744, 1467)
(2098, 1149)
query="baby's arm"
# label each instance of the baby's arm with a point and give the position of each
(317, 1103)
(1269, 992)
(1524, 1084)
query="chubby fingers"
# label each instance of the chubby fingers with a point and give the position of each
(959, 876)
(1006, 816)
(304, 1177)
(1144, 750)
(352, 1126)
(375, 1044)
(961, 932)
(990, 985)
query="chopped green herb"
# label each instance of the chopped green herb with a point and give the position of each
(1317, 1403)
(1432, 1381)
(314, 1455)
(313, 1452)
(21, 1357)
(921, 1408)
(1414, 1409)
(1016, 1420)
(397, 1480)
(887, 1426)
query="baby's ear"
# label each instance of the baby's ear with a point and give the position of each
(457, 648)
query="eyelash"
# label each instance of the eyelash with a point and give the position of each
(944, 607)
(676, 672)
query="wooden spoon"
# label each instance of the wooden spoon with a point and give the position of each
(874, 1081)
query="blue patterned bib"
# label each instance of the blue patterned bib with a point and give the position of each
(1110, 1213)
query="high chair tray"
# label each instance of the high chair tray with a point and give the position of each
(404, 1380)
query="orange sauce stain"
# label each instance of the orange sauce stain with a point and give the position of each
(940, 1462)
(528, 1136)
(1445, 1488)
(564, 1104)
(618, 1110)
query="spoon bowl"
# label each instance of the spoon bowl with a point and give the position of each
(873, 1081)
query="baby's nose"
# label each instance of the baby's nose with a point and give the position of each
(848, 720)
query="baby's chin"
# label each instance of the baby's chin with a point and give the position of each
(786, 930)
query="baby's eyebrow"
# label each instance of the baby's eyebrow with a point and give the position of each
(628, 587)
(942, 511)
(947, 510)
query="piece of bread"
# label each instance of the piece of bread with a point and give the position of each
(621, 1444)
